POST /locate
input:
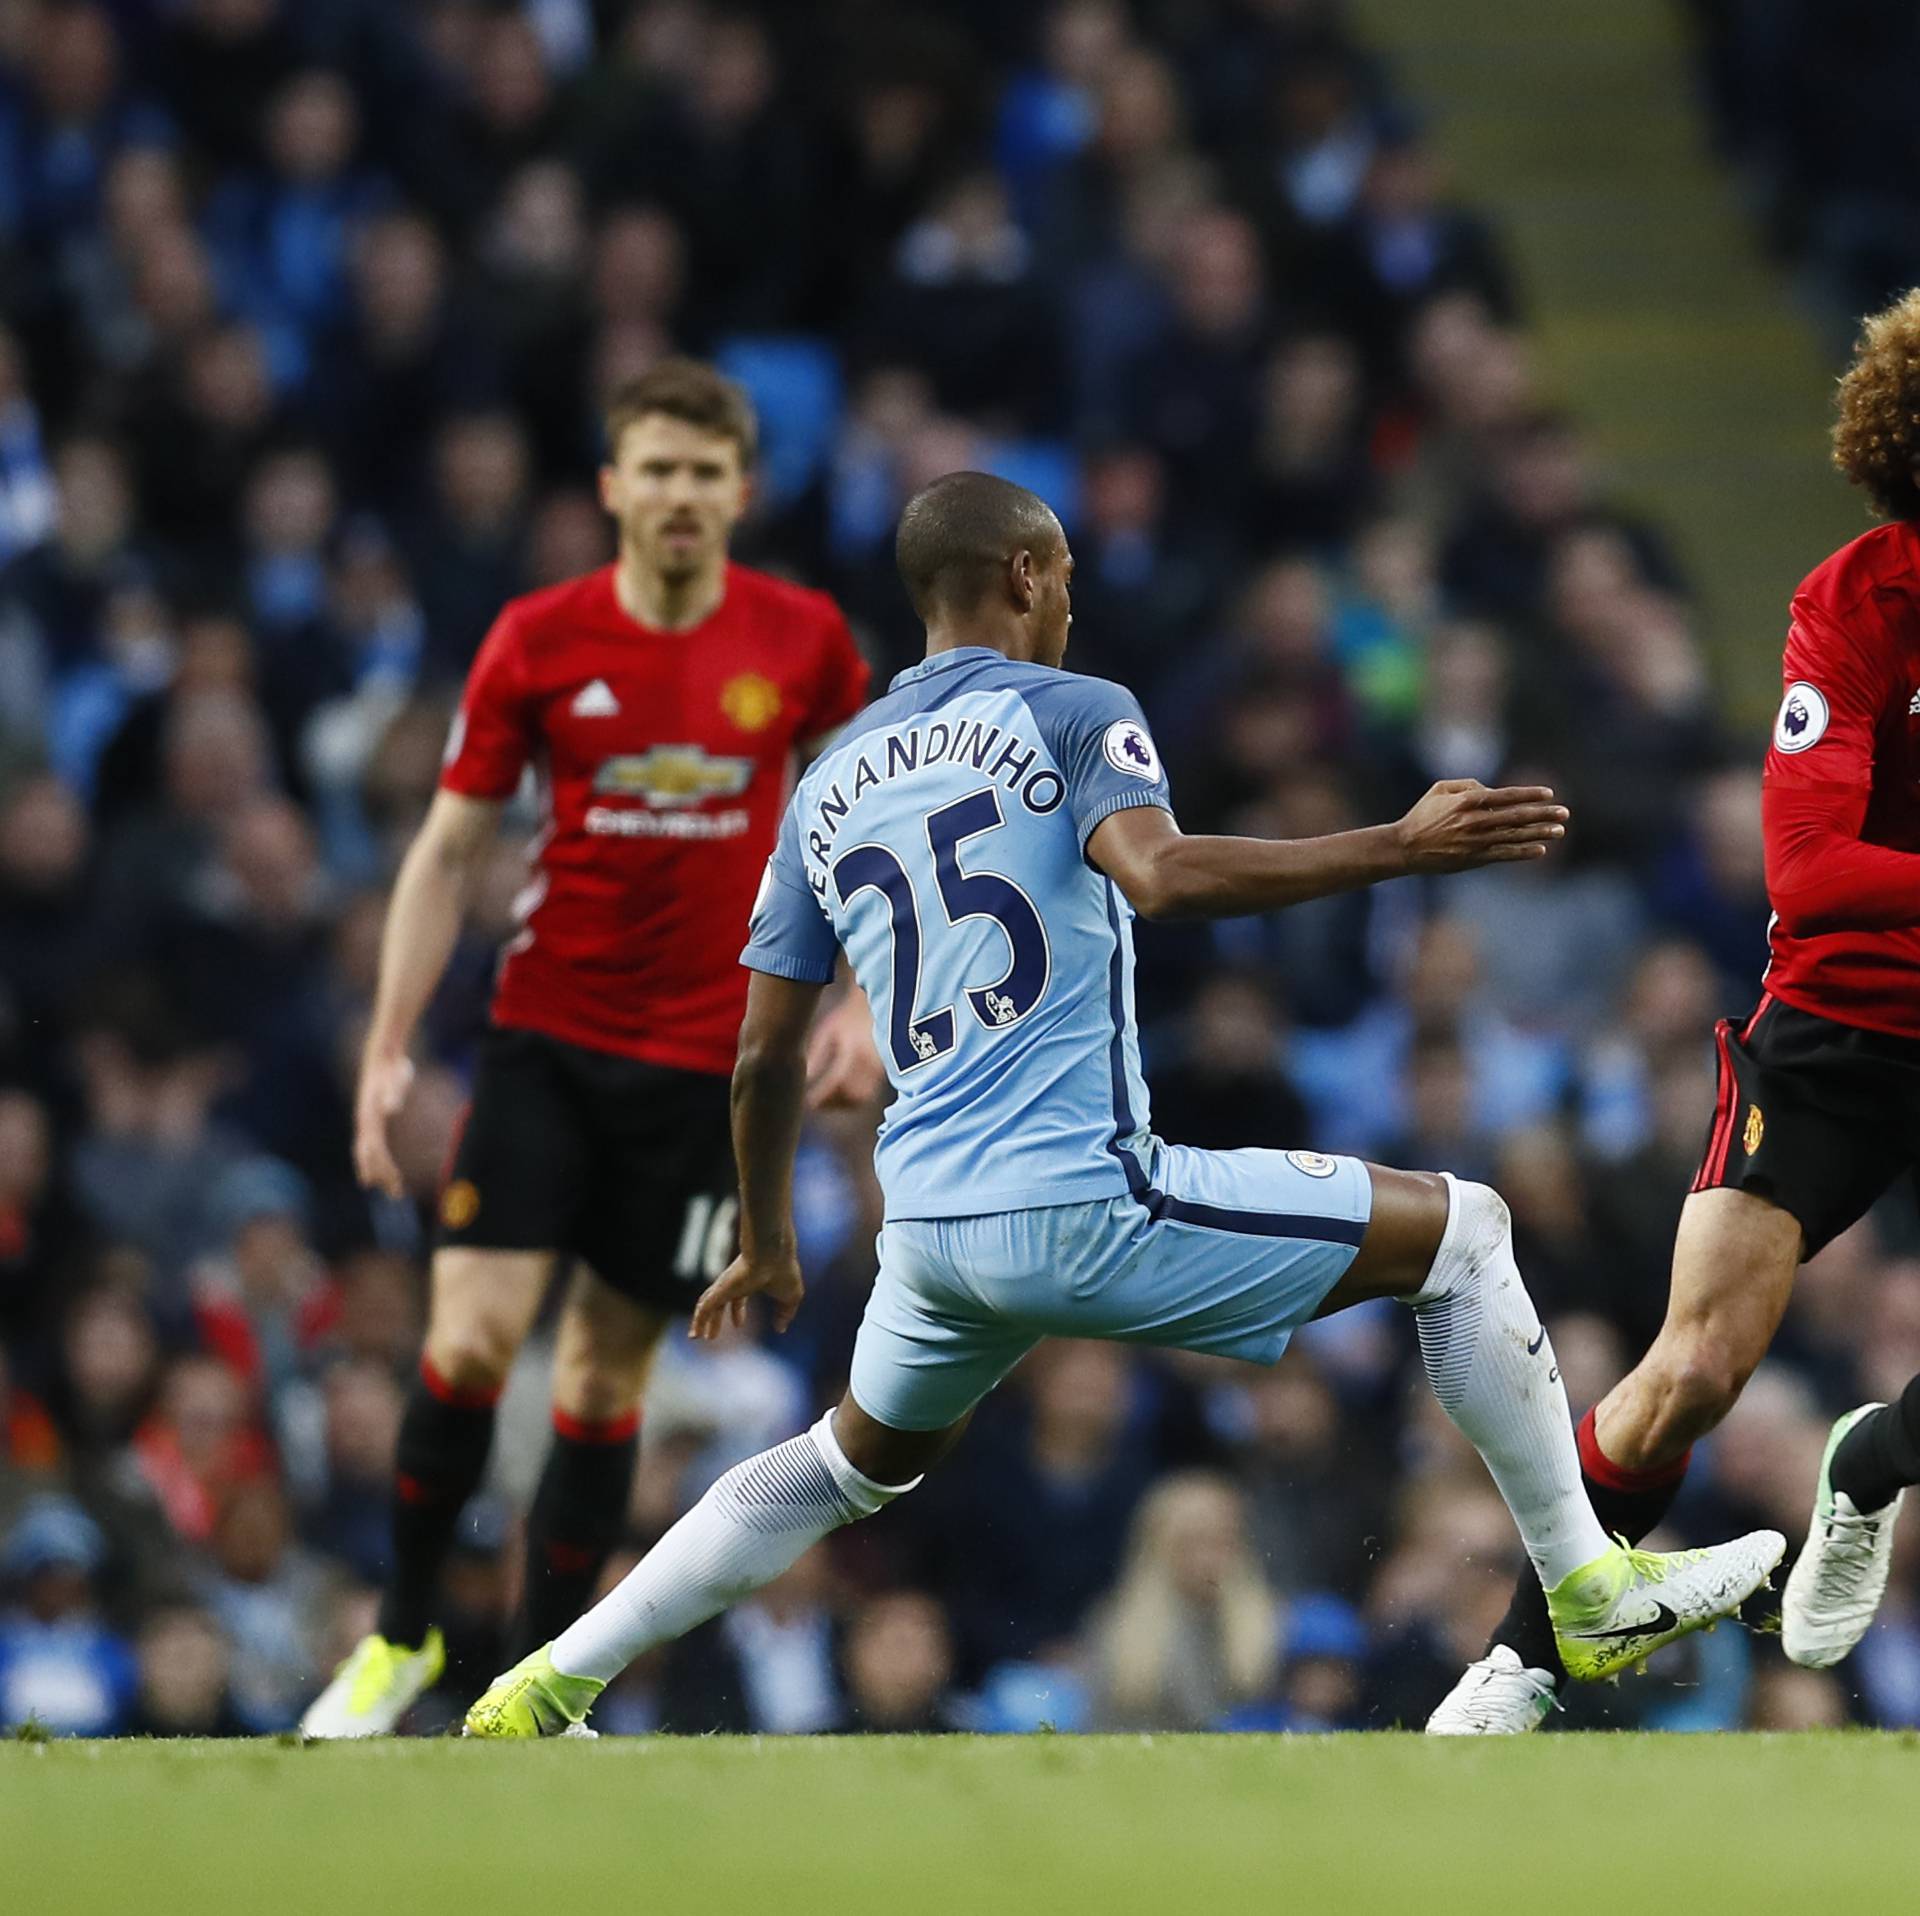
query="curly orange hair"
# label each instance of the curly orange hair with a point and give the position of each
(1876, 439)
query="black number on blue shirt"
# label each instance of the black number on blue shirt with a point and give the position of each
(988, 895)
(919, 1040)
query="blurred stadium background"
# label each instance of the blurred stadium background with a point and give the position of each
(1428, 392)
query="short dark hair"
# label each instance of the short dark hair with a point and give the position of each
(957, 534)
(685, 389)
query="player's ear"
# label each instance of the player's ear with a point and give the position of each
(607, 476)
(1020, 580)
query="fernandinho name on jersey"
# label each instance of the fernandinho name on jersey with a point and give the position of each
(901, 751)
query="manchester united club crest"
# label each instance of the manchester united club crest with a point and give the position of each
(751, 701)
(459, 1204)
(1755, 1131)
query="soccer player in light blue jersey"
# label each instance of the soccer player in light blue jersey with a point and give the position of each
(978, 842)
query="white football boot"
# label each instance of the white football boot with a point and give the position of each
(1839, 1577)
(1498, 1696)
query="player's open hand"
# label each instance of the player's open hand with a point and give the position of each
(843, 1067)
(775, 1278)
(384, 1084)
(1461, 823)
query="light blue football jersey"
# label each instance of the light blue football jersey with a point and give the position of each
(941, 840)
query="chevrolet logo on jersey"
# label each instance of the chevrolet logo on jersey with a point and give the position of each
(670, 776)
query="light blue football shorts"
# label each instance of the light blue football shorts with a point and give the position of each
(1226, 1252)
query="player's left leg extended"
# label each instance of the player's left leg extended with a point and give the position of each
(603, 1351)
(755, 1522)
(929, 1349)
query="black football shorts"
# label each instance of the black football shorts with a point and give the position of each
(1817, 1117)
(627, 1166)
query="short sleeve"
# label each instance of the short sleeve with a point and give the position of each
(493, 734)
(789, 934)
(1098, 736)
(840, 680)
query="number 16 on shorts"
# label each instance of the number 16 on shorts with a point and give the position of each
(708, 1234)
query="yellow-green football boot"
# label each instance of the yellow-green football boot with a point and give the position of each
(1616, 1611)
(374, 1688)
(535, 1699)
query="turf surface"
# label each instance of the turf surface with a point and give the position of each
(989, 1827)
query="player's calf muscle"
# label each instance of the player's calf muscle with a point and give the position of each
(1734, 1263)
(603, 1353)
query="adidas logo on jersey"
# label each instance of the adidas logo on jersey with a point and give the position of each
(596, 701)
(1913, 707)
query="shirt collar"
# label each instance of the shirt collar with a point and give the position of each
(940, 661)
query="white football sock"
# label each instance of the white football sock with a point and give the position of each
(1492, 1367)
(754, 1523)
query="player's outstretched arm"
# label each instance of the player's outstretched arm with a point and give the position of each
(423, 922)
(769, 1099)
(1459, 824)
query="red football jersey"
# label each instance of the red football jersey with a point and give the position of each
(664, 759)
(1842, 790)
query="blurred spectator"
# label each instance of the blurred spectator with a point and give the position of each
(348, 1520)
(963, 303)
(468, 547)
(28, 501)
(267, 1595)
(284, 233)
(185, 1678)
(1192, 1630)
(198, 1444)
(1195, 392)
(1020, 1532)
(1313, 1481)
(1224, 1086)
(59, 1665)
(899, 1665)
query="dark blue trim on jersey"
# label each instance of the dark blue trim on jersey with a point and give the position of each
(1124, 1124)
(1159, 1205)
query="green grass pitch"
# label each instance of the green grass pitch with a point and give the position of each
(991, 1827)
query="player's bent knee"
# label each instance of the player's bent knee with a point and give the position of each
(470, 1348)
(469, 1362)
(1482, 1212)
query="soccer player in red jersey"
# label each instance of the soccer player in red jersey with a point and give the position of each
(1819, 1089)
(661, 701)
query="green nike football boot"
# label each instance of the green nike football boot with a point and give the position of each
(1616, 1611)
(535, 1699)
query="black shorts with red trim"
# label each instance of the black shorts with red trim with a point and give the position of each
(1817, 1117)
(623, 1165)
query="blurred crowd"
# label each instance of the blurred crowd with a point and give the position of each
(1815, 104)
(305, 311)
